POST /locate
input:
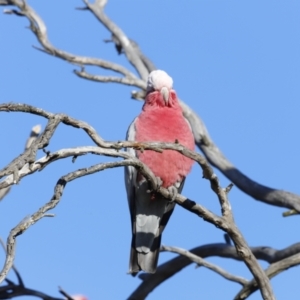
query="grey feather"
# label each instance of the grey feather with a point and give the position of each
(150, 213)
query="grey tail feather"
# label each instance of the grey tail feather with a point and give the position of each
(147, 262)
(134, 267)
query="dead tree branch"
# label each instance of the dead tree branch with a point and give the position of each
(97, 8)
(16, 167)
(175, 265)
(38, 27)
(25, 164)
(273, 270)
(12, 290)
(32, 137)
(202, 262)
(133, 53)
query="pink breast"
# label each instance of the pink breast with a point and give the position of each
(165, 125)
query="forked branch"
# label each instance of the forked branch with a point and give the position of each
(24, 165)
(133, 53)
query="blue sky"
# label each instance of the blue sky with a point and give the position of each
(236, 63)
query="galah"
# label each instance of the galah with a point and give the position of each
(161, 120)
(79, 297)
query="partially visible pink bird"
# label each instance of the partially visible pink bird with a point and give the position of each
(79, 297)
(161, 120)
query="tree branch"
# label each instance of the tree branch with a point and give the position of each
(204, 142)
(123, 80)
(38, 27)
(216, 158)
(273, 270)
(32, 137)
(201, 262)
(29, 155)
(146, 61)
(58, 191)
(25, 164)
(225, 222)
(12, 290)
(175, 265)
(97, 8)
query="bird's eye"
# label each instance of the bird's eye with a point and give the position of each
(150, 89)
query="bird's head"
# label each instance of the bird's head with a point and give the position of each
(160, 89)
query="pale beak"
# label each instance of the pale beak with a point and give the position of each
(165, 93)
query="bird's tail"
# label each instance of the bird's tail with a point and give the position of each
(152, 214)
(146, 262)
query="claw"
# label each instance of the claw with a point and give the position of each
(173, 192)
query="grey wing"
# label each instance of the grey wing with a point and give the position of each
(130, 172)
(130, 180)
(146, 216)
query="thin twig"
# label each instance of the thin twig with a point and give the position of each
(123, 80)
(202, 262)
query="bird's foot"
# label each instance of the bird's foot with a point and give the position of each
(173, 192)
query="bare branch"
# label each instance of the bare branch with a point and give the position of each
(38, 27)
(43, 140)
(147, 62)
(175, 265)
(4, 192)
(65, 119)
(202, 262)
(216, 158)
(12, 290)
(25, 164)
(58, 191)
(33, 136)
(273, 270)
(123, 80)
(20, 280)
(10, 246)
(212, 153)
(28, 157)
(64, 293)
(225, 222)
(97, 8)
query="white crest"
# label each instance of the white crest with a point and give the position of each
(158, 79)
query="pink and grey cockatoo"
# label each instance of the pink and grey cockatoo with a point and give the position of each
(79, 297)
(161, 120)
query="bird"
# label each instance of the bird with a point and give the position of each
(79, 297)
(161, 120)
